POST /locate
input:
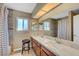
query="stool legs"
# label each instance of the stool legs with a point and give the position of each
(23, 48)
(28, 47)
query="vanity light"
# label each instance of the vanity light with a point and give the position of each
(45, 9)
(49, 6)
(40, 13)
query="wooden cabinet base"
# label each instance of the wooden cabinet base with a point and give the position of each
(39, 49)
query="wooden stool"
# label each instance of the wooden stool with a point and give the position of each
(24, 42)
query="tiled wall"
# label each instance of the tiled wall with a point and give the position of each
(3, 32)
(1, 36)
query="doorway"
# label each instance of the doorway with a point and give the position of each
(76, 28)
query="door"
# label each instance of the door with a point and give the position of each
(76, 29)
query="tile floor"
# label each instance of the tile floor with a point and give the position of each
(25, 53)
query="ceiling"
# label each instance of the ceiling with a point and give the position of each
(59, 12)
(25, 7)
(65, 13)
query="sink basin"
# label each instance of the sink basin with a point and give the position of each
(58, 42)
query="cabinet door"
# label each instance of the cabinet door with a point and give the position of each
(38, 51)
(34, 45)
(36, 48)
(43, 53)
(48, 53)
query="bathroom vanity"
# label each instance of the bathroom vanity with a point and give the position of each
(39, 49)
(46, 47)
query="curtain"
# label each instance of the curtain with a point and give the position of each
(62, 28)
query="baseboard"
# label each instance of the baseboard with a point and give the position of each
(19, 49)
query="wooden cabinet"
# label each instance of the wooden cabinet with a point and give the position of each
(36, 47)
(40, 50)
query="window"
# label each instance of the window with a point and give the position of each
(41, 27)
(22, 24)
(35, 27)
(46, 25)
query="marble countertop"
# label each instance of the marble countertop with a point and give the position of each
(56, 47)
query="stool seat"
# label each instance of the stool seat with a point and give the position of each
(24, 42)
